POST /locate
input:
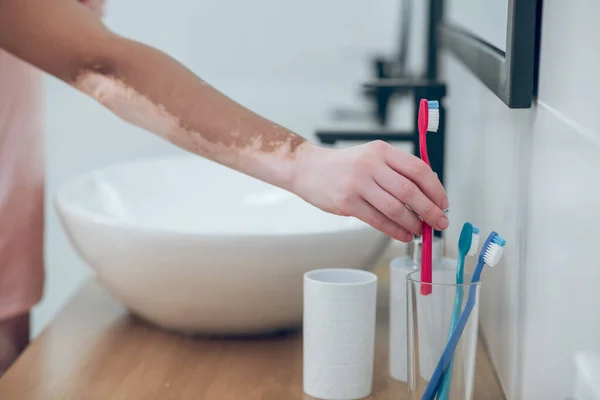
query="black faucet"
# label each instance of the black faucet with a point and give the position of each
(393, 80)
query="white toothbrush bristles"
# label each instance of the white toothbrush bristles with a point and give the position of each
(433, 120)
(474, 245)
(494, 252)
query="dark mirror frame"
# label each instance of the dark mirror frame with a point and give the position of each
(510, 74)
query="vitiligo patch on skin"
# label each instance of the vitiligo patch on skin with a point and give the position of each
(204, 123)
(127, 103)
(139, 110)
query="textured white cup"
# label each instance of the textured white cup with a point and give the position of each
(339, 333)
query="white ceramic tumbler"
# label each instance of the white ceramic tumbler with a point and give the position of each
(339, 333)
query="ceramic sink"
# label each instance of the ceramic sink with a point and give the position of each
(192, 246)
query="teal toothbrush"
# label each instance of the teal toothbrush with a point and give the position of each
(468, 243)
(490, 255)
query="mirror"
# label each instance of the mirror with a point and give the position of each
(484, 19)
(497, 40)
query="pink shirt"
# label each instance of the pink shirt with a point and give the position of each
(21, 186)
(22, 182)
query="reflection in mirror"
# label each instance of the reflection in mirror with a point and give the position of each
(484, 19)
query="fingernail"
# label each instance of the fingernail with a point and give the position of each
(443, 223)
(445, 203)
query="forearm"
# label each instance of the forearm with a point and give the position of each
(147, 88)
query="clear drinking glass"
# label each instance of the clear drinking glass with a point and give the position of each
(429, 320)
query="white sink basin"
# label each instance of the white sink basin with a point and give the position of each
(193, 246)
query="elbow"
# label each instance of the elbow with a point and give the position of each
(95, 67)
(99, 59)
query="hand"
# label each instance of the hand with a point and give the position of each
(376, 183)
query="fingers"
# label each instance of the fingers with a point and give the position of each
(407, 192)
(369, 214)
(419, 173)
(392, 208)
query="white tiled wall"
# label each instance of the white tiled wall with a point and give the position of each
(570, 60)
(532, 176)
(562, 298)
(484, 179)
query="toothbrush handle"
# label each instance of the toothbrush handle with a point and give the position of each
(444, 362)
(426, 273)
(458, 299)
(447, 380)
(426, 260)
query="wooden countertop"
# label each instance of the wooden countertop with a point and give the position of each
(95, 350)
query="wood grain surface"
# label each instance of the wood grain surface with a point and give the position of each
(95, 350)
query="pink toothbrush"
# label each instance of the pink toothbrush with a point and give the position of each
(429, 120)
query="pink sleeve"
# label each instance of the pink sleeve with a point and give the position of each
(22, 183)
(21, 186)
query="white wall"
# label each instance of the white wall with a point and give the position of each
(532, 175)
(291, 61)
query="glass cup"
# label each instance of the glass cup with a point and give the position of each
(400, 268)
(429, 321)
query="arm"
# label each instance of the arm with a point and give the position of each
(143, 86)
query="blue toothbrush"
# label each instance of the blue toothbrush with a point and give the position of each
(468, 244)
(490, 254)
